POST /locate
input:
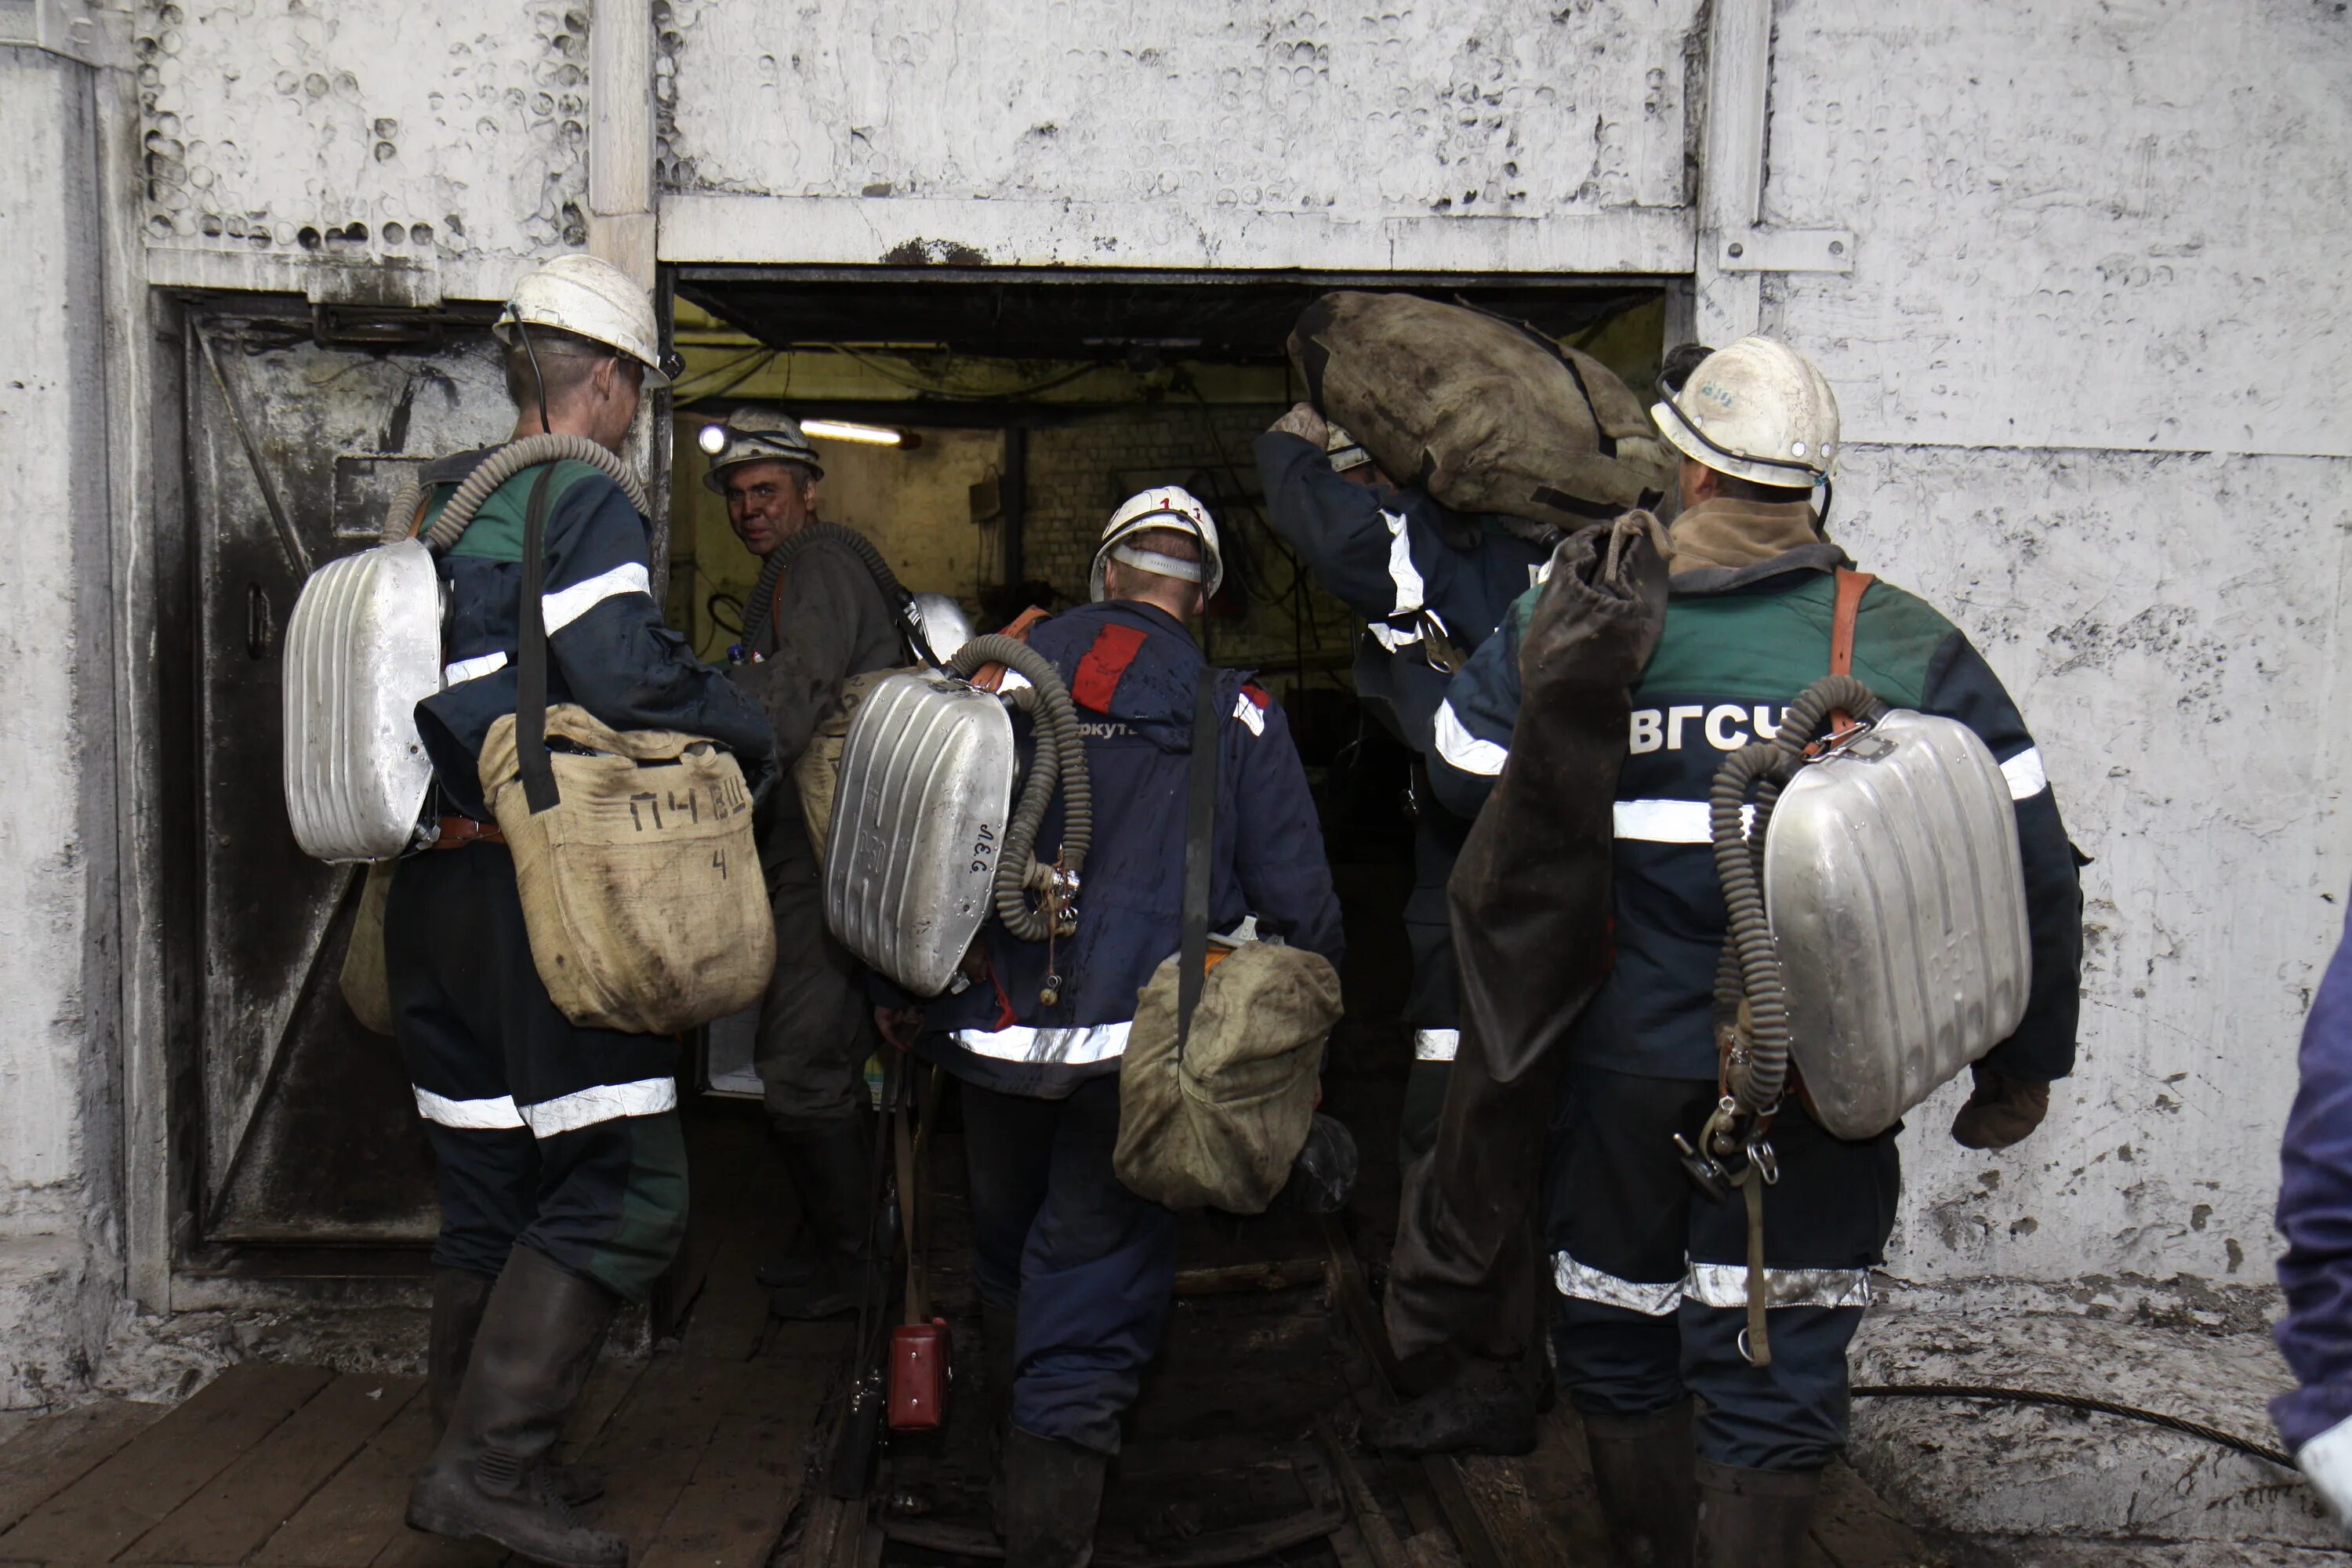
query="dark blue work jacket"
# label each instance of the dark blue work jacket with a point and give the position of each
(2314, 1214)
(607, 649)
(1134, 671)
(1423, 577)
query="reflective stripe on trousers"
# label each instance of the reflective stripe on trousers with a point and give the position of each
(1718, 1285)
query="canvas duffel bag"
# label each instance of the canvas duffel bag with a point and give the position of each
(1217, 1087)
(641, 886)
(1486, 413)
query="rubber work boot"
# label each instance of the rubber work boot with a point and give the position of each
(831, 1166)
(1643, 1468)
(997, 1369)
(1753, 1519)
(1485, 1408)
(458, 1297)
(538, 1341)
(1053, 1496)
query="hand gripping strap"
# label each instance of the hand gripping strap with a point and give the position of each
(1200, 826)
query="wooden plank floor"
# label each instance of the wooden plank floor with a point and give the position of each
(293, 1467)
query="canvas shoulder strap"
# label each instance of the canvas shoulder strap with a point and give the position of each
(1851, 586)
(531, 656)
(1200, 826)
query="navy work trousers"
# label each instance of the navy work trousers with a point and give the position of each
(1655, 1274)
(561, 1138)
(1088, 1267)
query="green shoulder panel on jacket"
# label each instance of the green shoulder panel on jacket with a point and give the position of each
(1770, 644)
(495, 532)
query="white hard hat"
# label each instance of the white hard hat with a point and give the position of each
(589, 298)
(1162, 506)
(1759, 411)
(756, 435)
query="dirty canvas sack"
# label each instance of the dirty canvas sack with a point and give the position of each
(1217, 1089)
(817, 772)
(634, 850)
(641, 886)
(367, 990)
(1486, 413)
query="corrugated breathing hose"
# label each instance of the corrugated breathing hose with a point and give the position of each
(1766, 766)
(1060, 762)
(494, 470)
(771, 571)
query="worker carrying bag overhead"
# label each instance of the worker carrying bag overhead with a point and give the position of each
(1486, 413)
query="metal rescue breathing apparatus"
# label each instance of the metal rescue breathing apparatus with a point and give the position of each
(1879, 940)
(364, 644)
(926, 839)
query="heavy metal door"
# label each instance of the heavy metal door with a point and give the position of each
(309, 1131)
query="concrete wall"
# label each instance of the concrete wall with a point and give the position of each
(2085, 359)
(60, 1255)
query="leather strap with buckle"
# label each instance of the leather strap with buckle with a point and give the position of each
(456, 832)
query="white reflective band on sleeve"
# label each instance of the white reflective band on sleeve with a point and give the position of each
(495, 1112)
(1409, 590)
(1251, 714)
(474, 668)
(1671, 821)
(1435, 1045)
(1076, 1047)
(604, 1102)
(561, 609)
(2024, 775)
(1724, 1285)
(1465, 751)
(2327, 1463)
(1582, 1283)
(1389, 637)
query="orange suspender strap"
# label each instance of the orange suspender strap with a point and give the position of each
(991, 677)
(1851, 587)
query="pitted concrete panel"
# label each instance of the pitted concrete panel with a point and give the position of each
(1502, 107)
(2109, 225)
(2172, 627)
(358, 133)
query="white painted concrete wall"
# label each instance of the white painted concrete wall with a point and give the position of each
(58, 1148)
(2086, 354)
(442, 136)
(2087, 363)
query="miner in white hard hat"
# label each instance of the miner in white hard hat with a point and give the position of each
(1074, 1270)
(1693, 1445)
(562, 1161)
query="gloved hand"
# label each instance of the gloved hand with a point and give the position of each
(1303, 422)
(2001, 1112)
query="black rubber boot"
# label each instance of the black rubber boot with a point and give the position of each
(459, 1295)
(1052, 1498)
(997, 1370)
(1643, 1468)
(832, 1166)
(1754, 1519)
(1486, 1408)
(540, 1333)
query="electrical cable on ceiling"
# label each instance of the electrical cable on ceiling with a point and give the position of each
(889, 374)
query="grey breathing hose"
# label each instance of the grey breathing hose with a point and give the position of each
(1061, 761)
(496, 470)
(1738, 862)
